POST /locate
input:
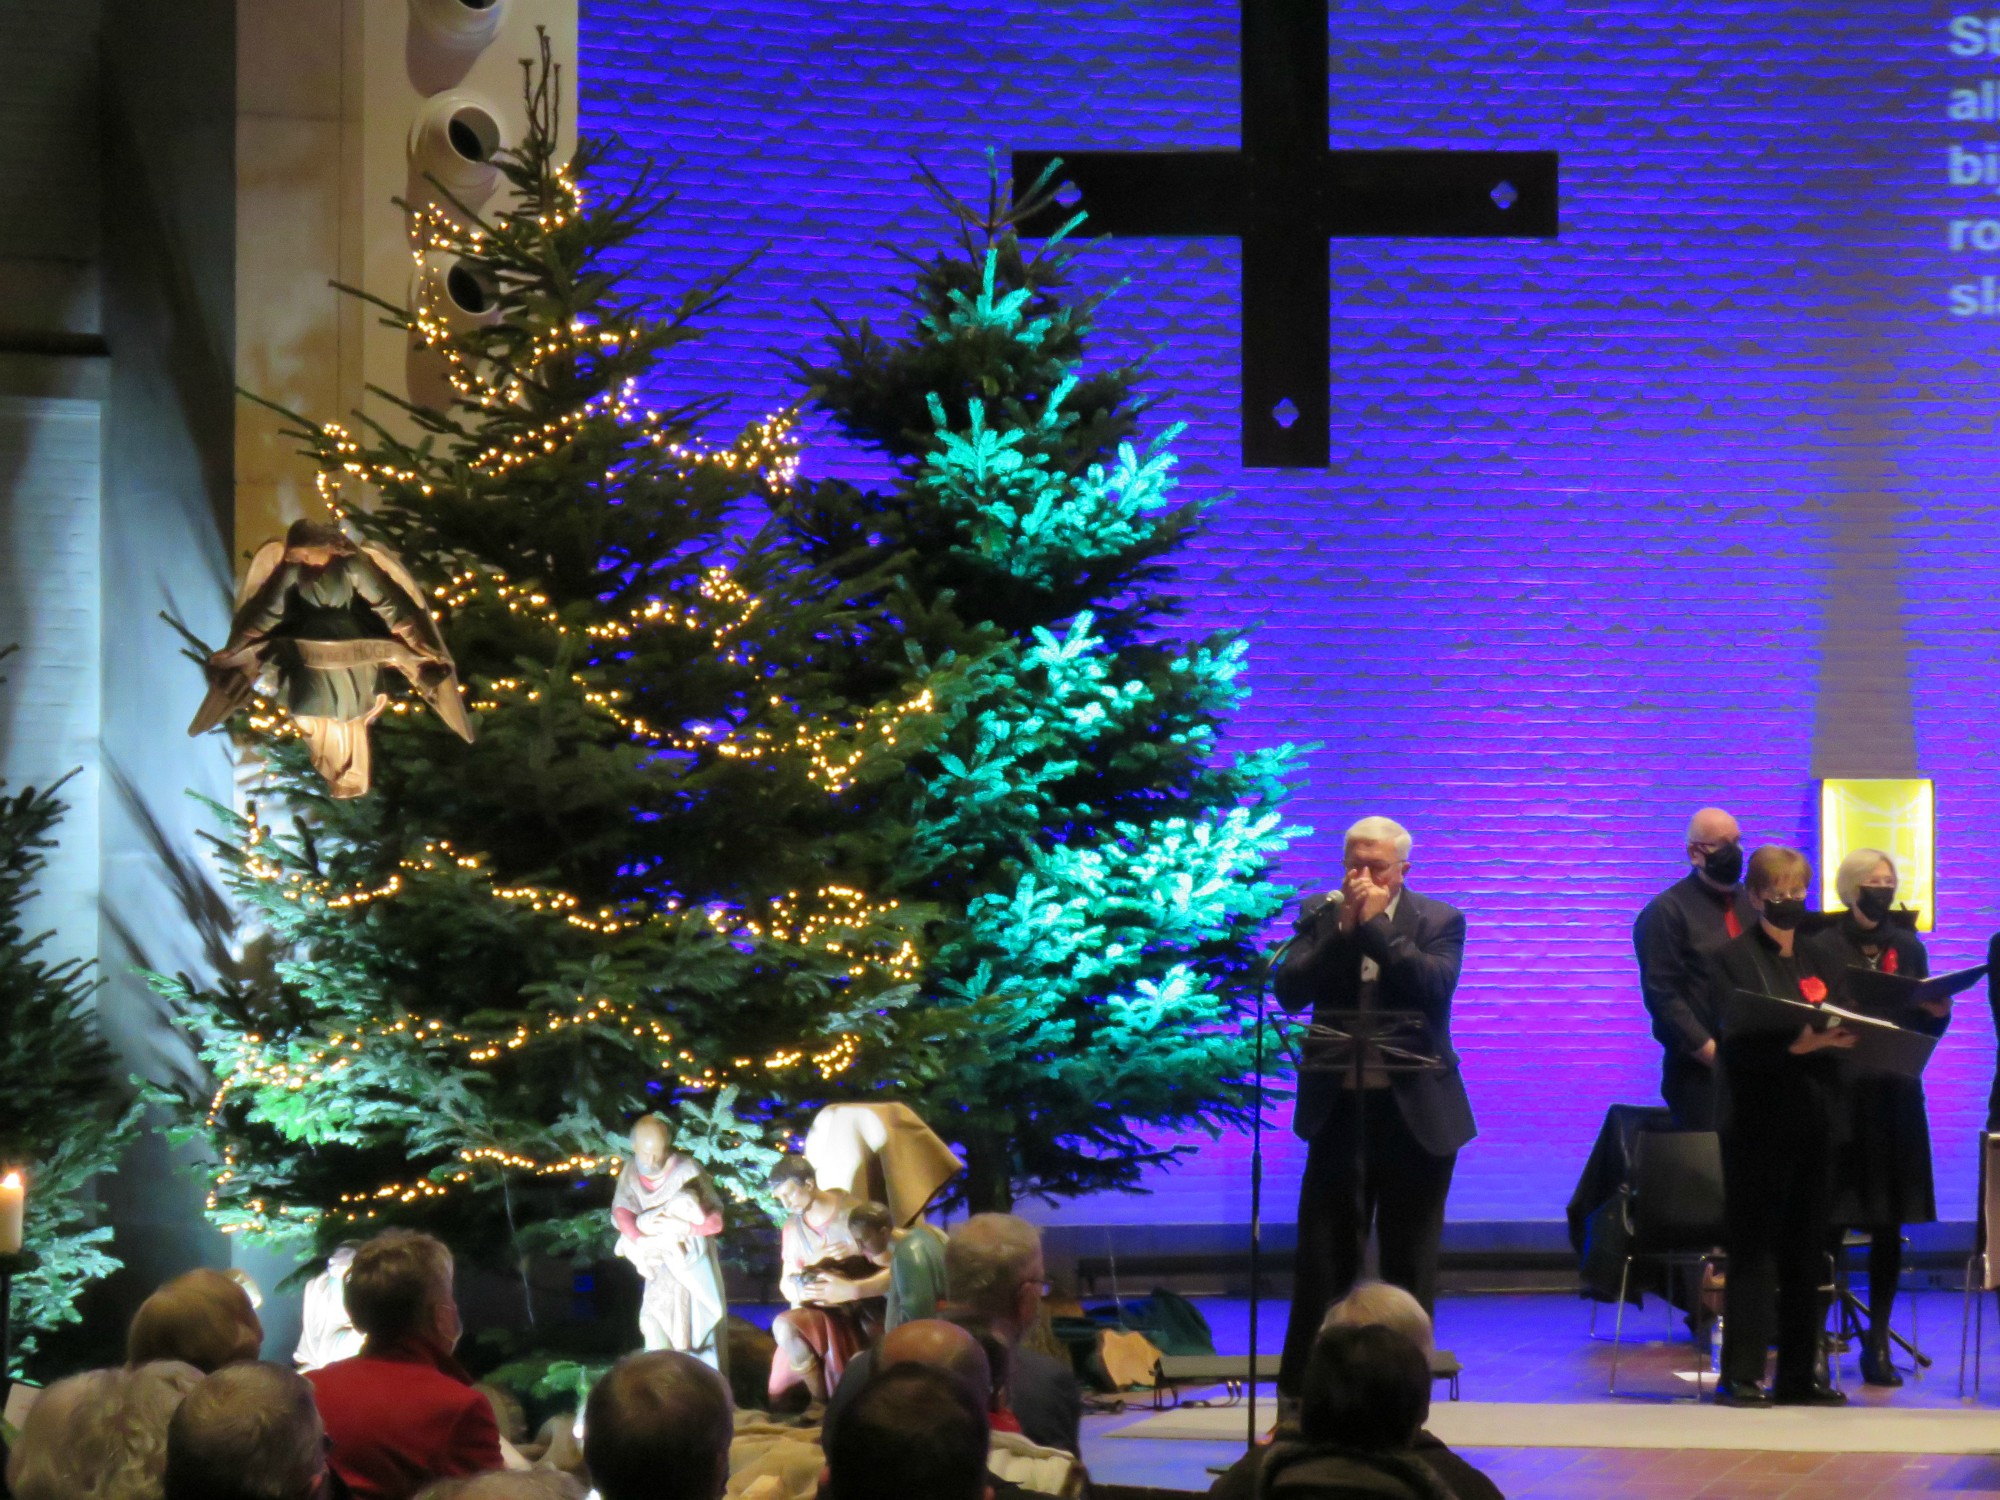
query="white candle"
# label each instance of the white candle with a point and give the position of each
(12, 1197)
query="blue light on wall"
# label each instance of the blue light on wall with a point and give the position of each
(1610, 523)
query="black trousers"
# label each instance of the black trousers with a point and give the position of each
(1689, 1087)
(1404, 1188)
(1777, 1185)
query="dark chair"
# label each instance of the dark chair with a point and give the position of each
(1674, 1213)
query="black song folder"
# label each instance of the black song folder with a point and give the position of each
(1882, 1045)
(1891, 995)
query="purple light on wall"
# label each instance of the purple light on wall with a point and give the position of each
(1596, 509)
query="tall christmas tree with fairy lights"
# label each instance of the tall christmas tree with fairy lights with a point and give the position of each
(1102, 862)
(646, 882)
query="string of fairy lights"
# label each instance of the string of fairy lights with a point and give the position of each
(253, 1068)
(828, 924)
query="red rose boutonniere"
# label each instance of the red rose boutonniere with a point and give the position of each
(1888, 960)
(1813, 988)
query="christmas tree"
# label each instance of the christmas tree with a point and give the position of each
(651, 881)
(62, 1120)
(1102, 863)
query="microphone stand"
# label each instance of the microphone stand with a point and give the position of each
(1271, 964)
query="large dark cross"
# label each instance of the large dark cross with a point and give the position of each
(1285, 194)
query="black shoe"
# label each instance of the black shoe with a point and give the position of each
(1816, 1394)
(1741, 1393)
(1876, 1366)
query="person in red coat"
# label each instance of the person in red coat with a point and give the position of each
(402, 1413)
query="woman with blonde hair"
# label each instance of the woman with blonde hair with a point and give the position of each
(1882, 1170)
(1779, 1108)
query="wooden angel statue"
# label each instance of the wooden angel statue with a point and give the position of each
(668, 1214)
(318, 617)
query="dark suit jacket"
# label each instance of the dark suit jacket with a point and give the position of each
(1420, 953)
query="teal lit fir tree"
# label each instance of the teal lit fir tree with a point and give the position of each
(1101, 863)
(647, 883)
(63, 1122)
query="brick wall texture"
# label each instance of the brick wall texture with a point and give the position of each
(1690, 506)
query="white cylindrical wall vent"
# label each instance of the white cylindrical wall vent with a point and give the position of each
(456, 293)
(461, 25)
(453, 139)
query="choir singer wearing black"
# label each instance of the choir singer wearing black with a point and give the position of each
(1375, 945)
(1672, 939)
(1882, 1168)
(1778, 1112)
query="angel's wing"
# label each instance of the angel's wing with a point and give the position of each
(437, 679)
(414, 599)
(233, 671)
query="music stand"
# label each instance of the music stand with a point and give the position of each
(1357, 1043)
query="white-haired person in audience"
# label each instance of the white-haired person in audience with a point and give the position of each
(248, 1432)
(101, 1435)
(658, 1427)
(1376, 1304)
(994, 1273)
(1882, 1167)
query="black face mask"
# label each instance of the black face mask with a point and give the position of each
(1725, 865)
(1785, 915)
(1874, 901)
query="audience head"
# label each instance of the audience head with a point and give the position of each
(938, 1345)
(1377, 1304)
(399, 1287)
(249, 1432)
(792, 1183)
(999, 1358)
(1715, 845)
(1366, 1388)
(871, 1227)
(1777, 880)
(658, 1428)
(1381, 848)
(204, 1319)
(912, 1431)
(993, 1268)
(101, 1435)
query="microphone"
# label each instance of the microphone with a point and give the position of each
(1311, 908)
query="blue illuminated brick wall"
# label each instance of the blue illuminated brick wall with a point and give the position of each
(1692, 506)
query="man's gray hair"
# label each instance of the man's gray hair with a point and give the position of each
(987, 1259)
(101, 1434)
(248, 1432)
(1857, 867)
(1377, 1304)
(1380, 831)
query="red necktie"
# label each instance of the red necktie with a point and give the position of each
(1729, 922)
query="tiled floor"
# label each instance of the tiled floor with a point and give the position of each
(1537, 1347)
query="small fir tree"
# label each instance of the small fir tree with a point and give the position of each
(1102, 864)
(646, 884)
(63, 1121)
